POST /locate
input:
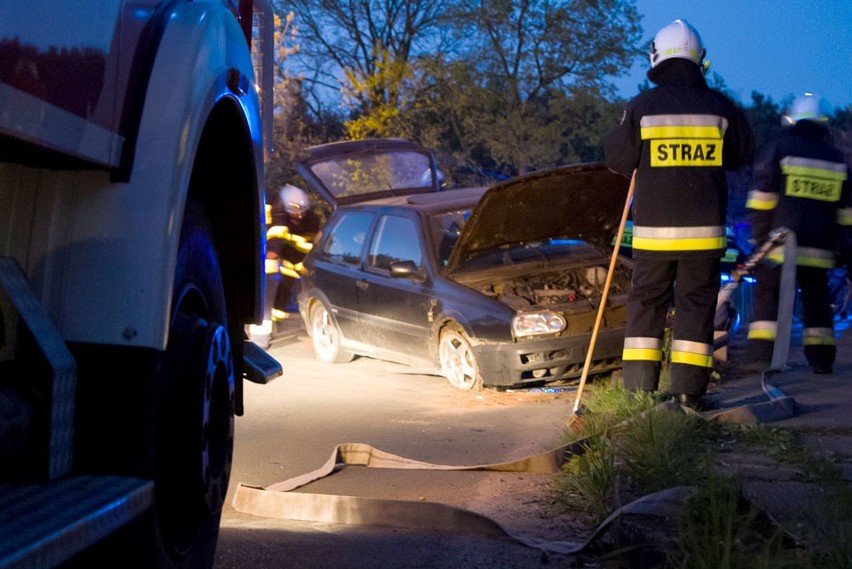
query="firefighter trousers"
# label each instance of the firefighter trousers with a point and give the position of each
(691, 286)
(818, 321)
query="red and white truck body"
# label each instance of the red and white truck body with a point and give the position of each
(132, 142)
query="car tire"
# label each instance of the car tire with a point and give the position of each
(325, 337)
(457, 360)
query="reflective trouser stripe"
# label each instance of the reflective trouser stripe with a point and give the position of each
(844, 216)
(692, 353)
(763, 330)
(278, 314)
(806, 257)
(818, 337)
(643, 349)
(762, 201)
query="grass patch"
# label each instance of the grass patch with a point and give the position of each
(662, 449)
(634, 446)
(589, 478)
(719, 530)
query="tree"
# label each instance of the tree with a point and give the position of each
(294, 128)
(487, 82)
(363, 48)
(527, 55)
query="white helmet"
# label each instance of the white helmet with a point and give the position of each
(809, 107)
(295, 200)
(678, 39)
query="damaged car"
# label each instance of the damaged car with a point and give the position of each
(491, 286)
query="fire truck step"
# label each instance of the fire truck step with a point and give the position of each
(42, 525)
(259, 366)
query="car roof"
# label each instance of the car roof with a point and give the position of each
(446, 200)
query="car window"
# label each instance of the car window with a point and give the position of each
(446, 229)
(345, 239)
(395, 240)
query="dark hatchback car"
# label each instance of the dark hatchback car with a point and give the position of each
(494, 286)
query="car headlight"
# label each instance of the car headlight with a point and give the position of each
(536, 323)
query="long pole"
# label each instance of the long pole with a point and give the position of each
(605, 294)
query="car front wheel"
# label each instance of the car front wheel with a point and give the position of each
(458, 362)
(325, 336)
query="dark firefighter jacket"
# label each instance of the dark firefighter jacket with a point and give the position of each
(801, 182)
(681, 137)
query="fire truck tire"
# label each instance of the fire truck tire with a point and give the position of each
(195, 416)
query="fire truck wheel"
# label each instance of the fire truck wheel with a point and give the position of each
(195, 418)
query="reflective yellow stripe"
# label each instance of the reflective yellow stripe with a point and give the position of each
(844, 216)
(692, 359)
(679, 238)
(805, 257)
(761, 335)
(814, 257)
(672, 131)
(762, 201)
(278, 232)
(817, 341)
(818, 337)
(679, 244)
(763, 330)
(815, 262)
(692, 353)
(279, 314)
(790, 170)
(642, 354)
(267, 209)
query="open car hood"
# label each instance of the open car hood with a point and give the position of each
(583, 201)
(362, 170)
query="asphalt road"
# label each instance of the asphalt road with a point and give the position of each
(292, 425)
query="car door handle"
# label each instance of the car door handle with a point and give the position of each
(362, 285)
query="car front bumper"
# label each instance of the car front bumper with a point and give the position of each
(547, 360)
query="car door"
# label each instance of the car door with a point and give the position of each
(336, 271)
(395, 311)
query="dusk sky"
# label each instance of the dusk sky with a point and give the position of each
(780, 48)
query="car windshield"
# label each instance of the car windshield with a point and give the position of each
(375, 172)
(446, 228)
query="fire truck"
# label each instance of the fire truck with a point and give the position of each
(133, 135)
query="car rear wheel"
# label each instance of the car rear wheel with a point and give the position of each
(458, 362)
(325, 337)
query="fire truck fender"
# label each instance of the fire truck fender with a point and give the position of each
(201, 137)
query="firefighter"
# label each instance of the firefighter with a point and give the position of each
(679, 138)
(800, 182)
(289, 239)
(292, 225)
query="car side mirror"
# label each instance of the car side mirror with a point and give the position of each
(407, 270)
